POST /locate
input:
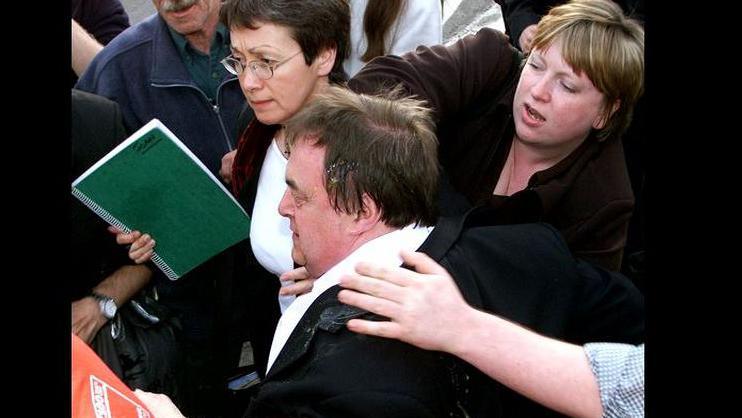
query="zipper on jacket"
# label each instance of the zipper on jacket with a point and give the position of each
(221, 122)
(214, 107)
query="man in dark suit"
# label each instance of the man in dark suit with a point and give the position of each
(361, 185)
(362, 180)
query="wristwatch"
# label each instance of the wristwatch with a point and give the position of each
(107, 305)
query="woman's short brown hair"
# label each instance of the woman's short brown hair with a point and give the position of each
(316, 25)
(600, 40)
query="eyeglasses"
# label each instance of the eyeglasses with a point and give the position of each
(260, 69)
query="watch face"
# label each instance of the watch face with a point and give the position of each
(108, 307)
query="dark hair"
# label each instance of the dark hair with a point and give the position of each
(316, 25)
(378, 18)
(384, 147)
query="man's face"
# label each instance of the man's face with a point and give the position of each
(186, 16)
(321, 235)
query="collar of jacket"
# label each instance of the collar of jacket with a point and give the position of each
(327, 314)
(251, 148)
(167, 66)
(551, 184)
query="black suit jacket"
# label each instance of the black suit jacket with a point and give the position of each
(522, 272)
(325, 370)
(526, 273)
(95, 129)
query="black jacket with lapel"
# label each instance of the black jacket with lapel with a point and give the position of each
(522, 272)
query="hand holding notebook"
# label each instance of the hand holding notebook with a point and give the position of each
(153, 183)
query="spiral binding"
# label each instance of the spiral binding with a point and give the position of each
(172, 275)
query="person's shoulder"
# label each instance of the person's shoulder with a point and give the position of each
(133, 38)
(491, 35)
(83, 101)
(606, 175)
(513, 233)
(486, 45)
(129, 50)
(482, 235)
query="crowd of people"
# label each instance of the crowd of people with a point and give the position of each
(454, 214)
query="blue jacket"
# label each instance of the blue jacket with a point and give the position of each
(142, 71)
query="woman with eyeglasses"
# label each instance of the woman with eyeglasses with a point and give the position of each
(283, 53)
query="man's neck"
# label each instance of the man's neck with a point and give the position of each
(202, 39)
(377, 231)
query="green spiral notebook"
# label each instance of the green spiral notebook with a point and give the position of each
(153, 183)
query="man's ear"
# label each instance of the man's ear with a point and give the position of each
(602, 119)
(368, 217)
(324, 61)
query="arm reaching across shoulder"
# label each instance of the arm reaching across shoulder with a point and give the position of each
(426, 309)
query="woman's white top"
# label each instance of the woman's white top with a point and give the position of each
(420, 22)
(270, 235)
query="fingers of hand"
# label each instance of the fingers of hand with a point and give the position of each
(150, 395)
(370, 303)
(375, 283)
(141, 250)
(376, 328)
(87, 335)
(150, 399)
(396, 275)
(228, 157)
(140, 393)
(226, 169)
(144, 257)
(125, 239)
(298, 288)
(422, 263)
(87, 325)
(300, 273)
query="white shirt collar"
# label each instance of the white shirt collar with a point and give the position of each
(382, 250)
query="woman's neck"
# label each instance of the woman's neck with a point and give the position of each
(523, 162)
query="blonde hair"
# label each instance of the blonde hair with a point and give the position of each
(600, 40)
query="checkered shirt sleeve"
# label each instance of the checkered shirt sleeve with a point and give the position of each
(619, 369)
